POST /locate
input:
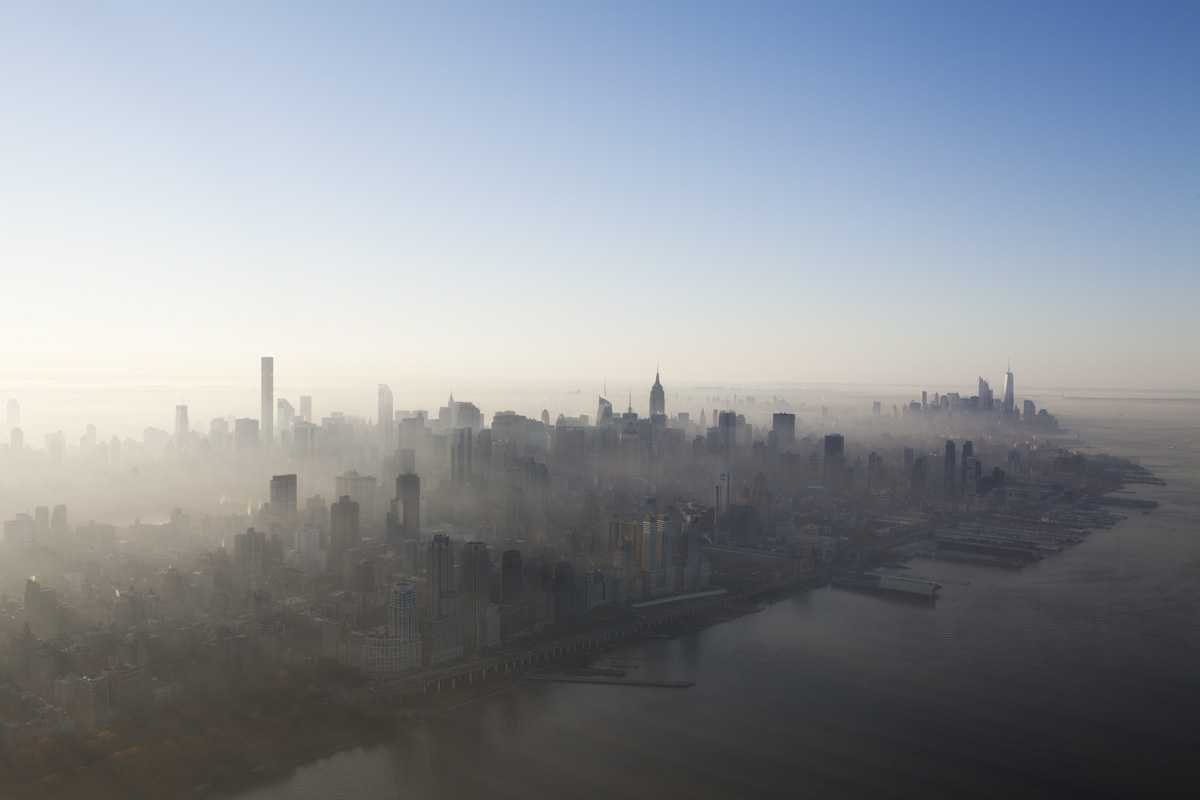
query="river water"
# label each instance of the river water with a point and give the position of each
(1077, 676)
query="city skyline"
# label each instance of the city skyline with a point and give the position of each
(830, 185)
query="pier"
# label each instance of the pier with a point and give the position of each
(1127, 502)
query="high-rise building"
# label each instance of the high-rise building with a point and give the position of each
(249, 552)
(658, 398)
(512, 586)
(245, 436)
(835, 461)
(439, 573)
(58, 519)
(268, 402)
(985, 395)
(344, 533)
(386, 422)
(402, 612)
(604, 413)
(917, 479)
(968, 452)
(306, 407)
(408, 506)
(91, 703)
(441, 606)
(285, 417)
(784, 426)
(41, 522)
(475, 582)
(181, 426)
(364, 490)
(950, 470)
(726, 432)
(1009, 402)
(461, 460)
(283, 503)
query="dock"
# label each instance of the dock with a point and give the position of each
(609, 681)
(1127, 502)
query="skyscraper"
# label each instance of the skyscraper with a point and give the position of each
(604, 413)
(249, 549)
(512, 586)
(364, 490)
(306, 407)
(985, 395)
(286, 416)
(402, 613)
(344, 533)
(461, 461)
(784, 426)
(1009, 403)
(387, 424)
(439, 574)
(658, 398)
(476, 578)
(245, 436)
(441, 606)
(181, 426)
(835, 461)
(283, 504)
(949, 471)
(268, 402)
(408, 506)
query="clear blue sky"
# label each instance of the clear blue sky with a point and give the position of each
(806, 191)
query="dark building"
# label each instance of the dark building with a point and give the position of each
(512, 584)
(344, 533)
(461, 459)
(408, 506)
(476, 574)
(949, 470)
(835, 461)
(784, 427)
(917, 479)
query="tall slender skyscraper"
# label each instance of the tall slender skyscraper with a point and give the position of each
(658, 398)
(408, 506)
(181, 426)
(950, 471)
(476, 580)
(387, 423)
(267, 428)
(1009, 402)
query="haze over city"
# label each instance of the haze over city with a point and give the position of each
(664, 399)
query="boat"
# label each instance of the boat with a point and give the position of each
(923, 590)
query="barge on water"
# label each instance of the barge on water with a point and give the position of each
(902, 587)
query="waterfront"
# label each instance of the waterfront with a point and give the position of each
(1074, 676)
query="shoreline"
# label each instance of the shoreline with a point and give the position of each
(690, 627)
(334, 750)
